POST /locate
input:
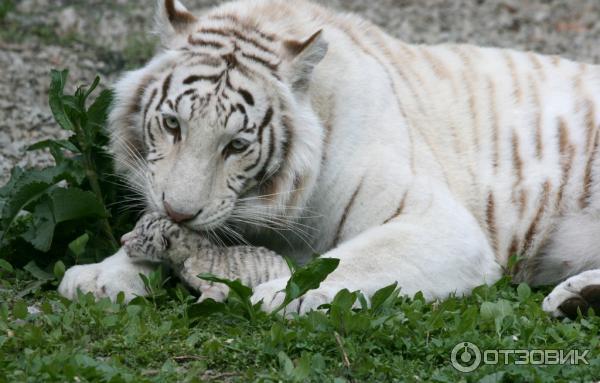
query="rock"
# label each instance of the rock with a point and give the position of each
(68, 20)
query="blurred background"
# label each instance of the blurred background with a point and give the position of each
(107, 37)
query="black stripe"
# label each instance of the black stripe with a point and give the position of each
(240, 36)
(156, 159)
(194, 78)
(266, 120)
(205, 43)
(262, 173)
(247, 96)
(231, 187)
(231, 111)
(249, 153)
(148, 133)
(152, 97)
(165, 90)
(285, 145)
(259, 60)
(186, 93)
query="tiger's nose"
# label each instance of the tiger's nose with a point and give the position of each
(177, 216)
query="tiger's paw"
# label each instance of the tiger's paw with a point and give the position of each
(581, 291)
(150, 238)
(272, 294)
(108, 278)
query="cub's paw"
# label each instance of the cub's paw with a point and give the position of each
(272, 294)
(581, 291)
(150, 238)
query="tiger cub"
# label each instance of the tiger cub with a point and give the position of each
(189, 253)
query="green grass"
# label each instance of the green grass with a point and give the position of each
(168, 338)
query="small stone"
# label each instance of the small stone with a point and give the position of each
(68, 20)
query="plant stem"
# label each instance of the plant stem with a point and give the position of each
(92, 176)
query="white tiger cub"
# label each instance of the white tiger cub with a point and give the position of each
(428, 165)
(158, 239)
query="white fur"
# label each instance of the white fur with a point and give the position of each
(434, 127)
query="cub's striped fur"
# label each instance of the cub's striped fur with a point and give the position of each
(157, 239)
(425, 165)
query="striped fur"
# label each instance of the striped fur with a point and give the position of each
(426, 165)
(189, 254)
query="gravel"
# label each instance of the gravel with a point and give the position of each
(37, 35)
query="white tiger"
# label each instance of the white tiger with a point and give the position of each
(427, 165)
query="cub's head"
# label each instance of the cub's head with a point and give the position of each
(218, 125)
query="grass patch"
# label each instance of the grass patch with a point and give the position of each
(44, 337)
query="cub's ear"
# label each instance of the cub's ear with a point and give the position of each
(171, 19)
(302, 57)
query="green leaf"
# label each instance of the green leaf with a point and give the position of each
(98, 111)
(20, 310)
(60, 205)
(523, 291)
(286, 364)
(237, 288)
(55, 147)
(91, 88)
(341, 309)
(59, 270)
(26, 187)
(243, 292)
(73, 203)
(37, 273)
(308, 278)
(41, 230)
(57, 86)
(20, 199)
(382, 295)
(205, 308)
(77, 246)
(496, 312)
(6, 266)
(343, 301)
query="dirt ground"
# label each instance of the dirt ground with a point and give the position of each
(107, 37)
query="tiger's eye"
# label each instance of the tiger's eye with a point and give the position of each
(239, 144)
(171, 122)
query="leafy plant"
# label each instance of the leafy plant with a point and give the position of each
(307, 278)
(5, 7)
(47, 214)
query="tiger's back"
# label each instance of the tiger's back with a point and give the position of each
(426, 166)
(513, 135)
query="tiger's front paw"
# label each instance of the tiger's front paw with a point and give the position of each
(115, 274)
(150, 238)
(272, 294)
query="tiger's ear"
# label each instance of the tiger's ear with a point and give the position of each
(171, 19)
(302, 57)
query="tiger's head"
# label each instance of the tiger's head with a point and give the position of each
(218, 125)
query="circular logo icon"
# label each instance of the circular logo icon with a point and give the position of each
(465, 357)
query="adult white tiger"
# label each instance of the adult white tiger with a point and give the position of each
(429, 165)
